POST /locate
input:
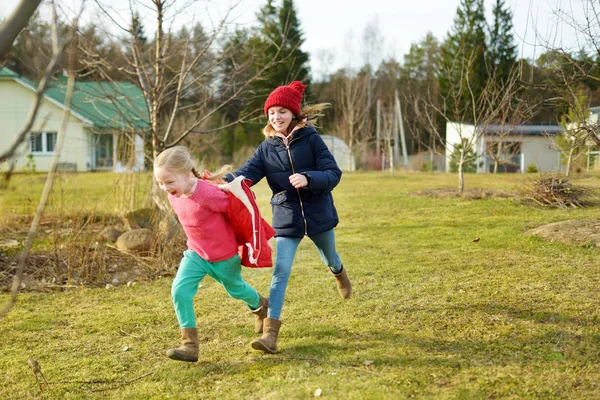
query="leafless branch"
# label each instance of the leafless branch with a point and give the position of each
(54, 164)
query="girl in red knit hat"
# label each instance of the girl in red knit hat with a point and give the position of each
(301, 173)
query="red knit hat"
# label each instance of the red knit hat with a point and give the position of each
(288, 96)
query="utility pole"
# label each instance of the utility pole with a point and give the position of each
(378, 128)
(402, 136)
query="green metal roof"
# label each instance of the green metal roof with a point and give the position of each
(8, 73)
(108, 105)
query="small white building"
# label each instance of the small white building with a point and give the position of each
(105, 128)
(529, 145)
(593, 149)
(341, 152)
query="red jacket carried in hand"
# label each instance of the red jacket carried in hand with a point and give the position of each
(252, 232)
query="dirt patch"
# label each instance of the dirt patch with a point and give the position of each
(583, 232)
(468, 193)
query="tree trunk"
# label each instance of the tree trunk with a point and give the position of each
(569, 160)
(391, 154)
(10, 28)
(461, 174)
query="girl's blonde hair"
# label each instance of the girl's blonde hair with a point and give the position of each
(179, 160)
(308, 117)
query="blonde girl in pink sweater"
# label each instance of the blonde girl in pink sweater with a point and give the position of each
(212, 249)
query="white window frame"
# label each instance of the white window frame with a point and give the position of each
(44, 135)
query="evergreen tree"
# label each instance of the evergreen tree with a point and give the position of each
(278, 37)
(464, 72)
(502, 50)
(420, 81)
(279, 24)
(137, 28)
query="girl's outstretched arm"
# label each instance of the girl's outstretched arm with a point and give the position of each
(253, 169)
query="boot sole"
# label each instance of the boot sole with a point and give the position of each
(173, 355)
(260, 346)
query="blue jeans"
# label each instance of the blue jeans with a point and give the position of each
(286, 250)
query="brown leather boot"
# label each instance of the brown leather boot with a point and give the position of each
(188, 351)
(260, 314)
(343, 283)
(268, 341)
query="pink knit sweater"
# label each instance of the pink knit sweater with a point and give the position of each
(202, 216)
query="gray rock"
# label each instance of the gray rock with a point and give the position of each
(135, 241)
(141, 218)
(111, 234)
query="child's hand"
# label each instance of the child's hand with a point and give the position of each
(298, 181)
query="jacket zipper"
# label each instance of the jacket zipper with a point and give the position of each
(287, 147)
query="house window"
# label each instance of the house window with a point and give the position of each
(42, 142)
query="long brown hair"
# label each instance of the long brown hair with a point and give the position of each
(308, 117)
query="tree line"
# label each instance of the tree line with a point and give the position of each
(205, 85)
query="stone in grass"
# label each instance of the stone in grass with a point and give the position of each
(111, 234)
(141, 218)
(135, 241)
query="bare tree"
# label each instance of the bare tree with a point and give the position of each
(571, 71)
(506, 142)
(8, 32)
(467, 121)
(572, 143)
(183, 76)
(57, 44)
(186, 81)
(10, 29)
(351, 113)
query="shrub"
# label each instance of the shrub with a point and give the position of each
(428, 167)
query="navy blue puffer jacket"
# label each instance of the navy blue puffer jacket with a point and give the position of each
(296, 212)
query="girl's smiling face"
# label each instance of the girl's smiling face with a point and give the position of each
(176, 184)
(280, 118)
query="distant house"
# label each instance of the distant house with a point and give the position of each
(105, 130)
(529, 144)
(595, 115)
(593, 149)
(340, 151)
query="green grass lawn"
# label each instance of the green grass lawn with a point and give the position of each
(433, 314)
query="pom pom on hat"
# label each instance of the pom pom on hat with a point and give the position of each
(289, 96)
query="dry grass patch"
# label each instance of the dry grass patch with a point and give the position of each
(584, 232)
(468, 193)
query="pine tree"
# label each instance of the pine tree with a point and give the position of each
(137, 28)
(502, 50)
(279, 24)
(276, 24)
(464, 72)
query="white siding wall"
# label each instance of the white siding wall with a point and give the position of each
(538, 151)
(15, 104)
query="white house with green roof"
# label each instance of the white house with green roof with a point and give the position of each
(107, 123)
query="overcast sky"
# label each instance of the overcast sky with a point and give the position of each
(333, 29)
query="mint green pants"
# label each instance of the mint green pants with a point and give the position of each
(193, 269)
